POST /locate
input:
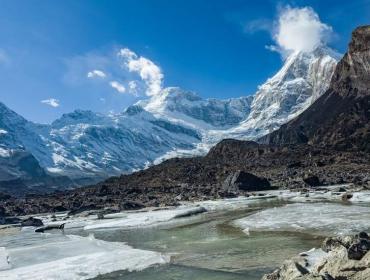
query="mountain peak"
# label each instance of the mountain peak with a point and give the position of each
(360, 39)
(169, 99)
(303, 78)
(339, 118)
(77, 116)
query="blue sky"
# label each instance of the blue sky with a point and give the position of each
(216, 48)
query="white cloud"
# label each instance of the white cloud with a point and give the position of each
(149, 72)
(300, 29)
(133, 87)
(256, 25)
(118, 86)
(96, 74)
(51, 102)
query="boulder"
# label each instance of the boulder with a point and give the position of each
(312, 180)
(131, 205)
(32, 222)
(244, 181)
(341, 258)
(346, 196)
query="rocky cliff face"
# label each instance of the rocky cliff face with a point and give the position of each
(340, 118)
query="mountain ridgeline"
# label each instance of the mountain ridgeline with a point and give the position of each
(84, 147)
(327, 144)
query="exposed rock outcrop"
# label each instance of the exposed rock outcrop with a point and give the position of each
(340, 258)
(32, 222)
(244, 181)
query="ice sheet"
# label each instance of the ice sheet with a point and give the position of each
(140, 219)
(4, 259)
(321, 218)
(165, 216)
(57, 256)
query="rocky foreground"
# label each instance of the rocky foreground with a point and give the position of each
(340, 258)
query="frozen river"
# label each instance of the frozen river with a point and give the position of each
(240, 238)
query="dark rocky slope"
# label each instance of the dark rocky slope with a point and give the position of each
(21, 173)
(207, 178)
(340, 118)
(327, 144)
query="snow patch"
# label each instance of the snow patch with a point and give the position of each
(4, 152)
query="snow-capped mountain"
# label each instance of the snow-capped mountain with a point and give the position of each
(84, 144)
(303, 78)
(89, 143)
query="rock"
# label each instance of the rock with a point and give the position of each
(59, 208)
(2, 211)
(345, 258)
(312, 180)
(50, 227)
(131, 205)
(327, 276)
(332, 243)
(358, 250)
(11, 220)
(245, 181)
(363, 235)
(346, 196)
(32, 222)
(100, 216)
(5, 196)
(295, 164)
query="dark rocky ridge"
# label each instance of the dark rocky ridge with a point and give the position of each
(204, 177)
(21, 173)
(327, 144)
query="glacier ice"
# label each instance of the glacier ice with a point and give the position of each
(66, 257)
(319, 218)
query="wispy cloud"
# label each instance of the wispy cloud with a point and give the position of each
(121, 69)
(51, 102)
(149, 72)
(133, 87)
(96, 74)
(256, 25)
(118, 86)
